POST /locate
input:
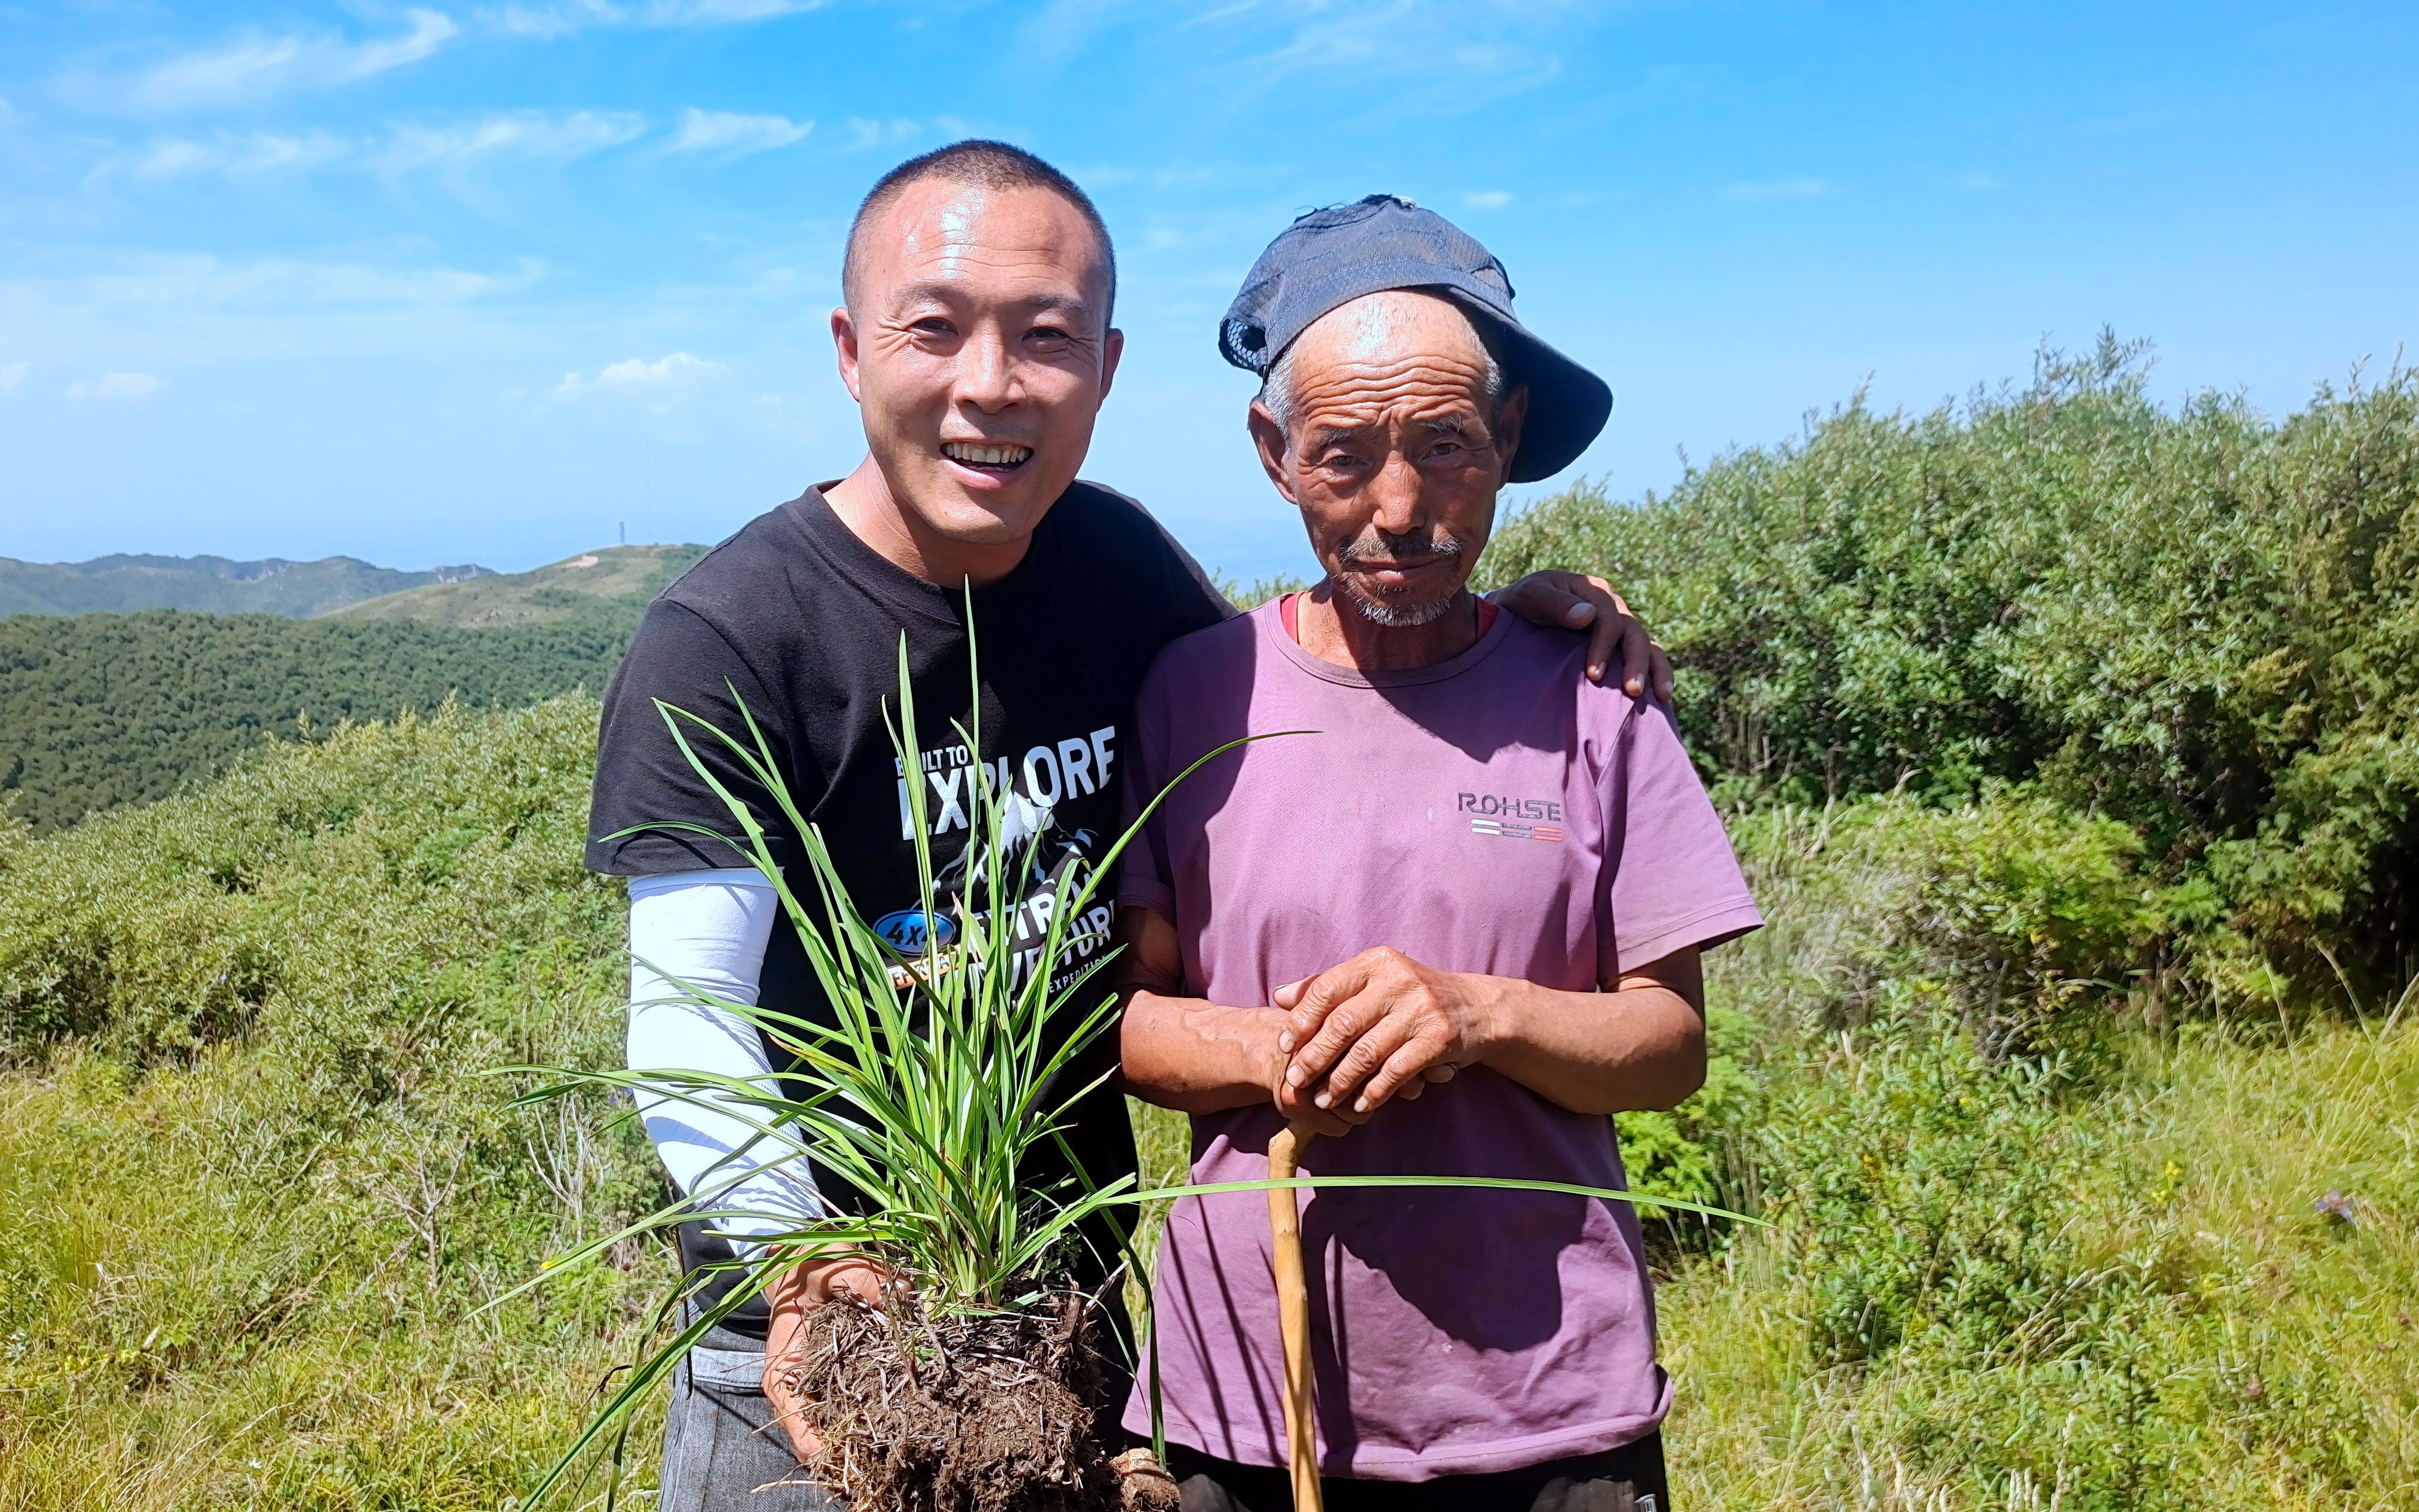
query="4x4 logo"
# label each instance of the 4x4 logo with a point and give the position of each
(910, 930)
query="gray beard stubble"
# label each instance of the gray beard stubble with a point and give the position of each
(1382, 612)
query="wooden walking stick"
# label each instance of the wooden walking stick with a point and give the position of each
(1293, 1315)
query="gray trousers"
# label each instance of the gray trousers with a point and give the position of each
(722, 1450)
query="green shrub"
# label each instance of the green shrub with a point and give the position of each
(2003, 911)
(2201, 623)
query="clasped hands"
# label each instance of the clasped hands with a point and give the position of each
(1376, 1026)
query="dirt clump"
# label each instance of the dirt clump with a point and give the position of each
(982, 1412)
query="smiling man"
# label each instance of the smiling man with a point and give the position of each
(1480, 877)
(977, 339)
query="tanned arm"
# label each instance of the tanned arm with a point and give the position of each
(1334, 1048)
(1188, 1053)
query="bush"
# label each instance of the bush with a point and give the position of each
(2001, 911)
(2202, 624)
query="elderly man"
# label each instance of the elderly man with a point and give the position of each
(1483, 877)
(977, 339)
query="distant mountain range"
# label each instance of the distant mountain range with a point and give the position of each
(124, 584)
(101, 709)
(617, 580)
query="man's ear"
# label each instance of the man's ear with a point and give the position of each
(1511, 418)
(843, 329)
(1113, 347)
(1269, 438)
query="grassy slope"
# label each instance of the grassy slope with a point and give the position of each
(617, 579)
(2197, 1334)
(253, 1187)
(2134, 1300)
(246, 1220)
(208, 585)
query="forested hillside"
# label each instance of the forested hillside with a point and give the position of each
(101, 710)
(98, 710)
(211, 585)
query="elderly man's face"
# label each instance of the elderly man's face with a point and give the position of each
(978, 350)
(1393, 451)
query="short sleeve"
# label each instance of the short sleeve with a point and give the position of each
(1194, 601)
(1145, 877)
(1674, 880)
(646, 787)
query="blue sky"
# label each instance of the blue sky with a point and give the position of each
(457, 281)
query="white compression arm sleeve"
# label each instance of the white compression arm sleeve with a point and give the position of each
(709, 929)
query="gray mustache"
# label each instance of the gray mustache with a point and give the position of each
(1380, 547)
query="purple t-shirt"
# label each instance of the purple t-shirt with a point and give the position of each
(1494, 813)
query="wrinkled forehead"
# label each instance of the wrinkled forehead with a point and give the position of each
(980, 242)
(1404, 334)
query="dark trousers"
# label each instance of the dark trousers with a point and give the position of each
(1628, 1479)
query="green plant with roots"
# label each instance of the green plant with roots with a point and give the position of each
(930, 1091)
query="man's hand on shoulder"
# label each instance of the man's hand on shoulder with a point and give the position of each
(1379, 1026)
(1575, 601)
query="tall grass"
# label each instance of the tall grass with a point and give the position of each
(929, 1090)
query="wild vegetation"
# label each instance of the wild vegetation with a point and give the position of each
(2092, 1184)
(2201, 624)
(255, 1181)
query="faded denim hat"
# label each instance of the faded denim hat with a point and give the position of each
(1332, 257)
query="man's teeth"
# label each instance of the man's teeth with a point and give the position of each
(994, 457)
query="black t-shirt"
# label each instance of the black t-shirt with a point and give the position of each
(803, 620)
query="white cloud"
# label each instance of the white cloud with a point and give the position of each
(1777, 189)
(1440, 56)
(672, 369)
(548, 22)
(660, 383)
(524, 135)
(12, 377)
(1488, 199)
(115, 386)
(723, 130)
(202, 284)
(864, 134)
(235, 153)
(533, 136)
(261, 62)
(170, 314)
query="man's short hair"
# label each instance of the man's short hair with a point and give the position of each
(992, 165)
